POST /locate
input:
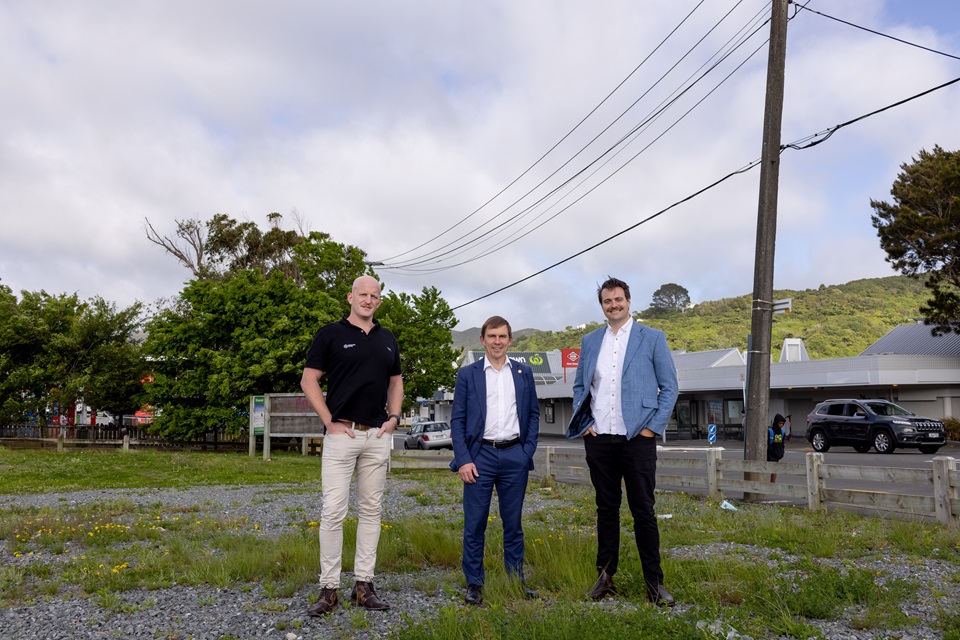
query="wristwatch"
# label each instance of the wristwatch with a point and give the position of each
(395, 415)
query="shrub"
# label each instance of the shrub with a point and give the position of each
(952, 427)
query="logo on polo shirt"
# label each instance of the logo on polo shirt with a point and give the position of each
(348, 346)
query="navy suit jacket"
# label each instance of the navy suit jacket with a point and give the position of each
(648, 382)
(469, 413)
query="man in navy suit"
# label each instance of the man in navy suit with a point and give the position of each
(494, 423)
(623, 394)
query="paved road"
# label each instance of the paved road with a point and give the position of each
(796, 450)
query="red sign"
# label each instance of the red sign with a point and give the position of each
(570, 358)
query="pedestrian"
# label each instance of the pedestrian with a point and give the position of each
(360, 412)
(623, 394)
(775, 446)
(494, 423)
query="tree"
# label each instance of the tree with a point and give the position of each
(422, 325)
(920, 231)
(210, 358)
(226, 340)
(57, 350)
(669, 298)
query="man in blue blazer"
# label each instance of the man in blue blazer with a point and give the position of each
(494, 423)
(623, 395)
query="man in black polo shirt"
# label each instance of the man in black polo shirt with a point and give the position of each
(360, 412)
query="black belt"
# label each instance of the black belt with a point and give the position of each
(501, 444)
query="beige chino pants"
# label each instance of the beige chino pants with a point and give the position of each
(342, 455)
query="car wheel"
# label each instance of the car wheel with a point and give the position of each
(883, 442)
(861, 448)
(929, 448)
(819, 441)
(406, 445)
(420, 445)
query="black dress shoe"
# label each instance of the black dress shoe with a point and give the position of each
(528, 593)
(603, 587)
(659, 595)
(474, 594)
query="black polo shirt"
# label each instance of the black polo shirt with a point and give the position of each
(358, 367)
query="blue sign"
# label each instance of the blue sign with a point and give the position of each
(711, 433)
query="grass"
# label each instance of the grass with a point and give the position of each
(49, 471)
(769, 571)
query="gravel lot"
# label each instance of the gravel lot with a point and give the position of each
(204, 612)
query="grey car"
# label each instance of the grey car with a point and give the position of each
(880, 424)
(429, 435)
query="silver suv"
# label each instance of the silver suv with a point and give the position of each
(862, 424)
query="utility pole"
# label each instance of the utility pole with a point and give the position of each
(761, 320)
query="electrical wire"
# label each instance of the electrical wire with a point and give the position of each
(629, 137)
(408, 268)
(634, 157)
(438, 255)
(879, 33)
(558, 143)
(826, 135)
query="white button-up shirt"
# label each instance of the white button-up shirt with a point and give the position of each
(607, 381)
(502, 421)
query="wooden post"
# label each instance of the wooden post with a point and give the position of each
(714, 474)
(126, 442)
(548, 472)
(761, 318)
(943, 494)
(252, 444)
(814, 483)
(60, 440)
(266, 426)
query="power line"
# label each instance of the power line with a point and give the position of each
(409, 267)
(551, 149)
(634, 157)
(878, 33)
(826, 135)
(438, 255)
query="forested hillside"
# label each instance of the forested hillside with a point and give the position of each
(834, 321)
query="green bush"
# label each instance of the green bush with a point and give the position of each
(952, 427)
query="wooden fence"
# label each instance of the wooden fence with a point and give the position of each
(937, 490)
(110, 437)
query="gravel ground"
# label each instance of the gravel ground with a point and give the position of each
(210, 613)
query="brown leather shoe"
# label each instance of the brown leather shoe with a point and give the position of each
(659, 595)
(364, 595)
(326, 603)
(603, 586)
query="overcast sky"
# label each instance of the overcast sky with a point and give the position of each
(388, 123)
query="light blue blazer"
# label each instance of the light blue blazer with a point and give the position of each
(648, 388)
(469, 412)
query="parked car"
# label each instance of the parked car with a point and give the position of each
(880, 424)
(429, 435)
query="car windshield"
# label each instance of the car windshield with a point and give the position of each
(438, 426)
(887, 409)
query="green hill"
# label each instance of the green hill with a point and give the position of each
(835, 321)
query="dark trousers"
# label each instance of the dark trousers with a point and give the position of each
(507, 471)
(613, 459)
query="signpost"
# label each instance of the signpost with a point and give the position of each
(711, 433)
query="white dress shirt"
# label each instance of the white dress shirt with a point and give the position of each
(607, 382)
(502, 421)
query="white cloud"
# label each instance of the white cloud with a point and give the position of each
(384, 123)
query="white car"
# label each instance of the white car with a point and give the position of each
(429, 435)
